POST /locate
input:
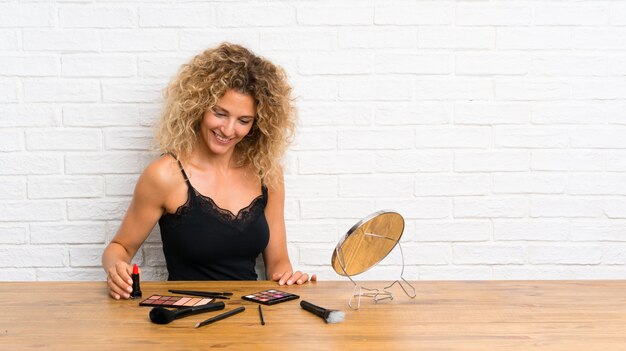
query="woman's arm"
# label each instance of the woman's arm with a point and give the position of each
(144, 211)
(277, 264)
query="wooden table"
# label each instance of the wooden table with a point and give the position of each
(445, 315)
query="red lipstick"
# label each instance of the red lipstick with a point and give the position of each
(136, 293)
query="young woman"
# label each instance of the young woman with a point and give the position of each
(217, 191)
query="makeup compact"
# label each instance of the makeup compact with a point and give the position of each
(270, 297)
(175, 301)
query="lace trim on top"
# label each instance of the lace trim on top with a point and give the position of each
(242, 219)
(182, 210)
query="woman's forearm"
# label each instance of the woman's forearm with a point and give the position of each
(113, 253)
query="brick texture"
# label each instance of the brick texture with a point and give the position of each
(496, 128)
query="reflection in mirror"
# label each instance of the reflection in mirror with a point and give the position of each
(367, 243)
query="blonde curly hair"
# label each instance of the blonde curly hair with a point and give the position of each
(201, 82)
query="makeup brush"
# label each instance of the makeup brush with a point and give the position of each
(161, 315)
(330, 316)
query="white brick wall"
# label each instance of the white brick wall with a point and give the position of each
(496, 128)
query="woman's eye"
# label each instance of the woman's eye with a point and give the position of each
(245, 121)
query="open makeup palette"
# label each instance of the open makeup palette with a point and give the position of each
(270, 297)
(175, 301)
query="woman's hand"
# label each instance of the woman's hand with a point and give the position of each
(145, 209)
(119, 281)
(289, 278)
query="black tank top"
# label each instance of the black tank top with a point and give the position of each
(202, 241)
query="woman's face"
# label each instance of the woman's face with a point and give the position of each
(228, 122)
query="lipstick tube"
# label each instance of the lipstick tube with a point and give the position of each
(136, 293)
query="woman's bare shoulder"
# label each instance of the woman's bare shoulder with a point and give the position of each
(276, 181)
(162, 174)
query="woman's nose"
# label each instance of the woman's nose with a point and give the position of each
(228, 127)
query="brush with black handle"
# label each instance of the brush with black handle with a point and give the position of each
(329, 316)
(161, 315)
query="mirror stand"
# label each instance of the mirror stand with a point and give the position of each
(375, 294)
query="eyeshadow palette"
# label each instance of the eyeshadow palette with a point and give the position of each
(175, 301)
(270, 297)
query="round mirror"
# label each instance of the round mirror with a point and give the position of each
(368, 242)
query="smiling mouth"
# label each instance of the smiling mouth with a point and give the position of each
(221, 139)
